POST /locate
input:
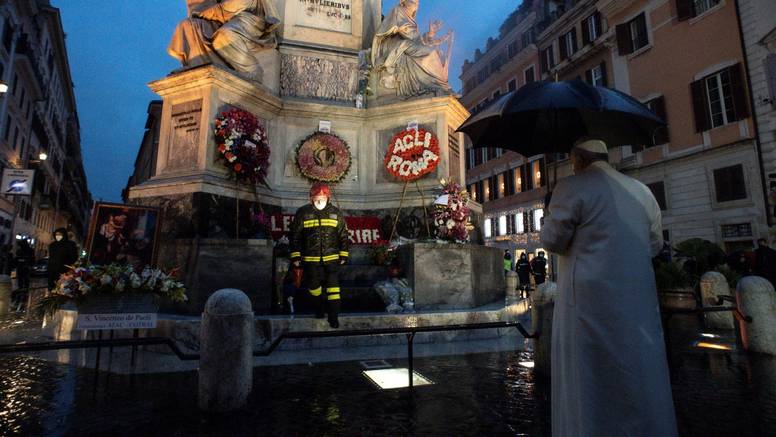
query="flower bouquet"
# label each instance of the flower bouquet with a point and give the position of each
(451, 216)
(323, 157)
(83, 283)
(243, 144)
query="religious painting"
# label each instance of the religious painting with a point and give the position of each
(123, 234)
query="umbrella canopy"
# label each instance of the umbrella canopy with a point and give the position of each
(548, 117)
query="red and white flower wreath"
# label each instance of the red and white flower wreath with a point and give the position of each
(412, 154)
(242, 142)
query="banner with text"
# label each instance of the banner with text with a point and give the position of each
(362, 230)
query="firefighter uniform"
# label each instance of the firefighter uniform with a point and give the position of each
(320, 241)
(539, 267)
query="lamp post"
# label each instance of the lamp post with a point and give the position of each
(3, 87)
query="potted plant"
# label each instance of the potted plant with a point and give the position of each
(113, 288)
(674, 286)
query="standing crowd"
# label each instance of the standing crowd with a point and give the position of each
(526, 269)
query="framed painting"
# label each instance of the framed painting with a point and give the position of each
(125, 234)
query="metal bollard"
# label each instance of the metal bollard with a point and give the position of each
(542, 307)
(755, 298)
(5, 294)
(226, 352)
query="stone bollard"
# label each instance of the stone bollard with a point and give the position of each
(5, 294)
(511, 288)
(756, 298)
(713, 285)
(542, 306)
(226, 351)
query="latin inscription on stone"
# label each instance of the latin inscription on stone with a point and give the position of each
(334, 15)
(184, 143)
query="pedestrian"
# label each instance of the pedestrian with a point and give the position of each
(320, 243)
(539, 268)
(609, 369)
(507, 261)
(524, 272)
(63, 253)
(5, 259)
(765, 261)
(24, 259)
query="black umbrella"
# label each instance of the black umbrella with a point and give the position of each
(548, 117)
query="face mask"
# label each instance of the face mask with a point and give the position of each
(320, 202)
(59, 237)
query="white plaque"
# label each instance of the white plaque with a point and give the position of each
(324, 126)
(17, 182)
(334, 15)
(116, 321)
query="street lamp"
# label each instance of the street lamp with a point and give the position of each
(43, 156)
(3, 88)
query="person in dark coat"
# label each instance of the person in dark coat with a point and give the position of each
(62, 253)
(539, 268)
(25, 258)
(765, 261)
(523, 268)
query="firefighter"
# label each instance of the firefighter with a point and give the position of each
(524, 273)
(320, 245)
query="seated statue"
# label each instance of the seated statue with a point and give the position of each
(229, 33)
(407, 61)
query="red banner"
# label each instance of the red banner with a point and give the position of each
(362, 230)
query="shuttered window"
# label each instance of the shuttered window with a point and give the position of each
(659, 191)
(729, 183)
(567, 44)
(548, 59)
(529, 75)
(591, 28)
(632, 36)
(770, 76)
(719, 98)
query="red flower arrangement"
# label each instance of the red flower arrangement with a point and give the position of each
(243, 144)
(323, 157)
(412, 154)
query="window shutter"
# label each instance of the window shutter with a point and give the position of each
(770, 76)
(543, 169)
(589, 76)
(659, 106)
(509, 180)
(543, 63)
(597, 19)
(684, 10)
(585, 30)
(523, 179)
(562, 46)
(604, 77)
(574, 39)
(624, 44)
(528, 180)
(738, 88)
(700, 107)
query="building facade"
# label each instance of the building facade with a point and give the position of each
(704, 168)
(757, 20)
(39, 126)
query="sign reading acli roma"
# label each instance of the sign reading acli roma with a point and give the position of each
(412, 154)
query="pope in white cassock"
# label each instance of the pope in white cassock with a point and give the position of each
(609, 370)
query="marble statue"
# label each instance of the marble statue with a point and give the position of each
(227, 32)
(406, 60)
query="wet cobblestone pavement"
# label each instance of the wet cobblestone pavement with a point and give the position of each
(716, 393)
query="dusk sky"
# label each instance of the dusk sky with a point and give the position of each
(116, 47)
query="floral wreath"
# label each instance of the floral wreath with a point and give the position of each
(323, 157)
(412, 154)
(243, 144)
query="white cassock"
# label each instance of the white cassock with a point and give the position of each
(609, 370)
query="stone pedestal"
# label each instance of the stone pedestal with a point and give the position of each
(756, 298)
(210, 264)
(713, 285)
(188, 162)
(542, 308)
(453, 276)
